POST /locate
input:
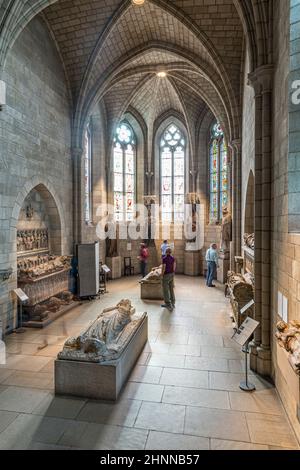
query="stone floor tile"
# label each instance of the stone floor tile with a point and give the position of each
(219, 424)
(15, 347)
(50, 430)
(59, 407)
(6, 418)
(173, 338)
(27, 428)
(161, 417)
(25, 362)
(49, 367)
(196, 397)
(184, 350)
(237, 366)
(218, 444)
(271, 430)
(225, 353)
(91, 436)
(141, 391)
(31, 380)
(165, 360)
(122, 413)
(157, 348)
(206, 363)
(50, 350)
(21, 400)
(167, 441)
(264, 401)
(188, 378)
(42, 446)
(231, 382)
(146, 374)
(4, 374)
(205, 340)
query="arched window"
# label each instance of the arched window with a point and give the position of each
(124, 173)
(218, 173)
(87, 175)
(172, 174)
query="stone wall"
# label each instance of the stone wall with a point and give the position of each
(35, 130)
(285, 245)
(248, 139)
(294, 120)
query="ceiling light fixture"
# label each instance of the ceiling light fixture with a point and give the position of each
(138, 2)
(161, 74)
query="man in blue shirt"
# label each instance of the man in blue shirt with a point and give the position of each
(212, 260)
(164, 248)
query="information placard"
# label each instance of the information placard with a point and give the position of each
(21, 295)
(247, 306)
(245, 331)
(105, 268)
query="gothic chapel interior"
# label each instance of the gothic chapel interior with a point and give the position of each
(186, 111)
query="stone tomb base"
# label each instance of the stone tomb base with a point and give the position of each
(192, 263)
(100, 381)
(115, 266)
(224, 266)
(151, 291)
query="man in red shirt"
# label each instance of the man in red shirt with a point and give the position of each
(144, 255)
(168, 273)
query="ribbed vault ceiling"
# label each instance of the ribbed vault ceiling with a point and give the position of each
(101, 41)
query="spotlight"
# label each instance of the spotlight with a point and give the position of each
(138, 2)
(161, 74)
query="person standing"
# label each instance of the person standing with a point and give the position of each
(212, 259)
(168, 274)
(144, 255)
(164, 248)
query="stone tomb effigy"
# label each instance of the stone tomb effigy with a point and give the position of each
(151, 285)
(97, 363)
(240, 290)
(45, 280)
(288, 360)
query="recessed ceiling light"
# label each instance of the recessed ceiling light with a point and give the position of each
(138, 2)
(161, 74)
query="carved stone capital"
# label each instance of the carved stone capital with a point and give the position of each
(261, 79)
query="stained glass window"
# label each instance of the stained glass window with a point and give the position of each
(124, 173)
(172, 174)
(87, 175)
(218, 174)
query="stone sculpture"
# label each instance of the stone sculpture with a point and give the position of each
(288, 336)
(226, 231)
(30, 240)
(193, 199)
(149, 201)
(112, 244)
(35, 267)
(249, 240)
(106, 337)
(240, 290)
(155, 275)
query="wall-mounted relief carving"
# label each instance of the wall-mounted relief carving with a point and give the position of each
(5, 274)
(32, 240)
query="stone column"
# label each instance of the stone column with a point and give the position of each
(261, 80)
(236, 182)
(77, 154)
